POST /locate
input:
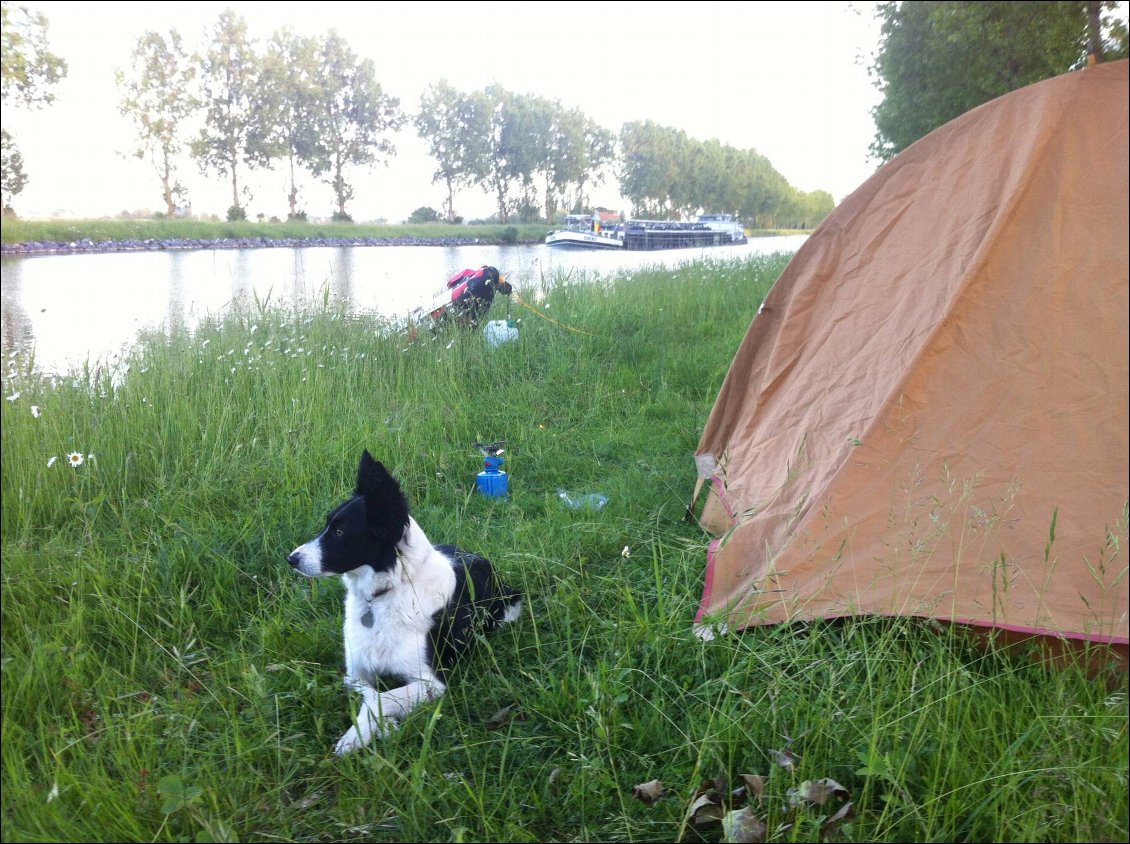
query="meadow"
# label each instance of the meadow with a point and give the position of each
(167, 677)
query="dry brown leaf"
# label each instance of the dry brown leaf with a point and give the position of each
(832, 825)
(752, 785)
(649, 792)
(705, 810)
(816, 792)
(716, 786)
(500, 718)
(783, 758)
(743, 827)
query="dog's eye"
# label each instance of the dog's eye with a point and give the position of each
(339, 532)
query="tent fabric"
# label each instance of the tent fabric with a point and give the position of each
(928, 414)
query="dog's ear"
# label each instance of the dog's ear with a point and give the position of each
(366, 470)
(386, 508)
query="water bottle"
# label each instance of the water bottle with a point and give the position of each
(592, 501)
(493, 482)
(499, 331)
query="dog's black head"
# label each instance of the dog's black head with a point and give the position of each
(362, 531)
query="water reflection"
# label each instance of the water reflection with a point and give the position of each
(74, 308)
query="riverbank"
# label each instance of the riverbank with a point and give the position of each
(87, 245)
(61, 237)
(55, 237)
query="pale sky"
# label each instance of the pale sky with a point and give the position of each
(787, 79)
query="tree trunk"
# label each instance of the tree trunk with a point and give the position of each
(450, 209)
(501, 193)
(1094, 29)
(292, 198)
(234, 185)
(166, 188)
(339, 187)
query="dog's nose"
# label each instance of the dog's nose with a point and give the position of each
(294, 559)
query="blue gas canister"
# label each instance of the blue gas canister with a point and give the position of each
(492, 481)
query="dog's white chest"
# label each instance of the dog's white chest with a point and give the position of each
(393, 643)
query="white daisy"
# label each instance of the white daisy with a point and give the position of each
(75, 458)
(13, 397)
(35, 411)
(51, 462)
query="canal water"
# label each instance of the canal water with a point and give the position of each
(71, 309)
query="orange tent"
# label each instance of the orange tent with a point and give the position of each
(928, 414)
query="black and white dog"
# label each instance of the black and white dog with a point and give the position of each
(411, 608)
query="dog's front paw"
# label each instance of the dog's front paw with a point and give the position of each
(351, 741)
(363, 733)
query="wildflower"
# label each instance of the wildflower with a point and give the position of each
(75, 458)
(35, 411)
(627, 552)
(51, 462)
(14, 396)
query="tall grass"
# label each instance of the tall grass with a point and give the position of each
(166, 676)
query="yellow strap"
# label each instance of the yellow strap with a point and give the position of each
(526, 304)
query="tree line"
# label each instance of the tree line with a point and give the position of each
(310, 103)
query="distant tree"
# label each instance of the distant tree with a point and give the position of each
(560, 150)
(599, 157)
(159, 96)
(352, 118)
(815, 206)
(455, 127)
(649, 166)
(424, 214)
(937, 60)
(504, 148)
(28, 69)
(13, 168)
(666, 174)
(287, 105)
(28, 72)
(537, 152)
(231, 78)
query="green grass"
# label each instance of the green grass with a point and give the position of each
(63, 231)
(166, 676)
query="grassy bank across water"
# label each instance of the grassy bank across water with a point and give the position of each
(63, 231)
(166, 676)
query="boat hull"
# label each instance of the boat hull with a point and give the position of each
(647, 235)
(582, 240)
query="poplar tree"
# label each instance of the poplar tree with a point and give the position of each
(231, 78)
(505, 153)
(455, 126)
(286, 105)
(353, 118)
(158, 95)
